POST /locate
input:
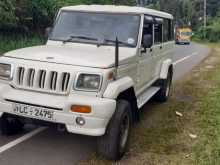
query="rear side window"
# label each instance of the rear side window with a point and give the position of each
(158, 33)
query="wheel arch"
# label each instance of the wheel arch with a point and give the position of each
(130, 97)
(167, 66)
(123, 89)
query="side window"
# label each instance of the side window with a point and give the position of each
(148, 27)
(158, 33)
(166, 31)
(171, 30)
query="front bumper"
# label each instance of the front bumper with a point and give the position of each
(96, 121)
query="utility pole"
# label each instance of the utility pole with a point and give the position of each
(205, 18)
(205, 13)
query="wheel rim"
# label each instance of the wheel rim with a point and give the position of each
(124, 131)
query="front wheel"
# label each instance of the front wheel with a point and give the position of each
(114, 143)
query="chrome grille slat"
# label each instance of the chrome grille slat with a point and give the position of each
(31, 77)
(53, 82)
(65, 81)
(21, 75)
(42, 79)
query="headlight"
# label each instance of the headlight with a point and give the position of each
(5, 71)
(88, 82)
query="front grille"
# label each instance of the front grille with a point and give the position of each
(42, 79)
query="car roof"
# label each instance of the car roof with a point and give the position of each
(117, 9)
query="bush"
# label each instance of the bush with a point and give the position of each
(15, 41)
(211, 32)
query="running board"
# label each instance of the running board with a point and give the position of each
(147, 95)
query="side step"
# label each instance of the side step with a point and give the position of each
(147, 95)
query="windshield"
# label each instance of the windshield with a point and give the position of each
(96, 27)
(186, 33)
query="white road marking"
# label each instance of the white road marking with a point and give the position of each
(185, 58)
(21, 139)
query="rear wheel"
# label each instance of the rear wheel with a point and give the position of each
(10, 125)
(165, 87)
(114, 143)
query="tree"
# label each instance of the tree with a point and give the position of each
(7, 10)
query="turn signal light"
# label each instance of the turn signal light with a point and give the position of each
(81, 109)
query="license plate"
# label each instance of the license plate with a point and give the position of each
(32, 111)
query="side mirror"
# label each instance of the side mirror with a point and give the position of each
(48, 31)
(147, 41)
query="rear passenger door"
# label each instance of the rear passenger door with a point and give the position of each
(158, 46)
(163, 42)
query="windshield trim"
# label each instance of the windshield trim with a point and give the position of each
(94, 43)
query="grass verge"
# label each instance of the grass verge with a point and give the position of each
(162, 137)
(12, 41)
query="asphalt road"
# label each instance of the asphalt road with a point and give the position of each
(37, 146)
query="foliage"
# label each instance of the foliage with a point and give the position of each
(7, 11)
(12, 42)
(211, 33)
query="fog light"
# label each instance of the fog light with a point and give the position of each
(80, 121)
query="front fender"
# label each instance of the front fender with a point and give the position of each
(165, 68)
(116, 87)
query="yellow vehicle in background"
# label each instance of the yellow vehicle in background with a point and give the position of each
(183, 35)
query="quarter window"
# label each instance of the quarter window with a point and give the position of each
(171, 30)
(166, 35)
(168, 31)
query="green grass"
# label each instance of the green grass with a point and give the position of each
(207, 150)
(12, 42)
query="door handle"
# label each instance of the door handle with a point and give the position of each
(151, 50)
(161, 47)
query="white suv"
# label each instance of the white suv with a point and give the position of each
(101, 64)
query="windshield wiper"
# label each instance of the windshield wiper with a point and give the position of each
(105, 41)
(72, 37)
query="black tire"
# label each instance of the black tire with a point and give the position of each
(165, 88)
(114, 143)
(10, 125)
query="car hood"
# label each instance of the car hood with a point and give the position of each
(80, 55)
